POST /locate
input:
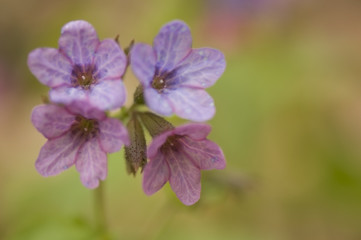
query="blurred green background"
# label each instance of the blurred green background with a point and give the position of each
(288, 119)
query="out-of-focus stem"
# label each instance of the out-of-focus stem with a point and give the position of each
(99, 208)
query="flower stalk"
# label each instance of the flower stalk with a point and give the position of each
(99, 210)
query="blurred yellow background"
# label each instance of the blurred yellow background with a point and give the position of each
(288, 119)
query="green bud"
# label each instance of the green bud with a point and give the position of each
(135, 153)
(154, 123)
(138, 95)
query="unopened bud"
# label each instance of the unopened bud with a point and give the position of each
(154, 123)
(135, 152)
(138, 95)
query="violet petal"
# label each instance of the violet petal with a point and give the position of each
(205, 154)
(67, 94)
(172, 44)
(185, 178)
(112, 135)
(91, 163)
(107, 94)
(159, 103)
(192, 104)
(156, 174)
(57, 155)
(78, 41)
(143, 62)
(86, 110)
(197, 131)
(51, 120)
(50, 67)
(156, 143)
(200, 69)
(110, 61)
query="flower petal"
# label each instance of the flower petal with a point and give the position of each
(51, 120)
(107, 95)
(110, 60)
(192, 104)
(205, 154)
(197, 131)
(67, 94)
(156, 174)
(91, 163)
(58, 154)
(113, 135)
(50, 67)
(157, 102)
(172, 44)
(200, 69)
(185, 178)
(143, 62)
(156, 143)
(78, 41)
(85, 109)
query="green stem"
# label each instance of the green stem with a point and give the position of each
(125, 113)
(99, 208)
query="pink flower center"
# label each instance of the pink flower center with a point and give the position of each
(160, 80)
(172, 143)
(83, 76)
(87, 128)
(158, 83)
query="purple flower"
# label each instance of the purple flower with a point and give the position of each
(83, 68)
(174, 75)
(78, 135)
(178, 156)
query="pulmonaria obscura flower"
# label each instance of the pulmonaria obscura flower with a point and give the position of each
(83, 68)
(77, 135)
(85, 79)
(174, 75)
(178, 156)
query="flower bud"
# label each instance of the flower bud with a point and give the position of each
(154, 123)
(138, 95)
(135, 152)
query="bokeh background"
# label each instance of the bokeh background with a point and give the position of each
(288, 119)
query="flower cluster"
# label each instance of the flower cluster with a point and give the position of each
(85, 79)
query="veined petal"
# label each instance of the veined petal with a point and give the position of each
(110, 60)
(91, 163)
(50, 67)
(197, 131)
(78, 41)
(156, 174)
(205, 153)
(113, 135)
(156, 143)
(51, 120)
(192, 104)
(200, 69)
(185, 178)
(85, 109)
(158, 102)
(107, 94)
(143, 62)
(172, 44)
(58, 154)
(67, 94)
